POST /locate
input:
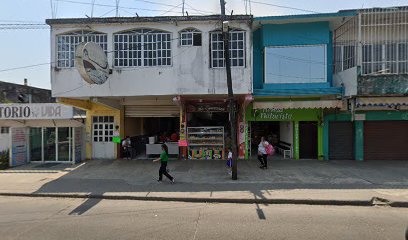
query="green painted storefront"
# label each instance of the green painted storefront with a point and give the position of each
(289, 115)
(359, 127)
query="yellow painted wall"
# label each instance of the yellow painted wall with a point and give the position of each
(95, 109)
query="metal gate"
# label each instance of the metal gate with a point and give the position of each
(341, 141)
(386, 140)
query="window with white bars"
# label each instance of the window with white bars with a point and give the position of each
(102, 127)
(142, 47)
(4, 130)
(190, 37)
(385, 58)
(236, 49)
(67, 43)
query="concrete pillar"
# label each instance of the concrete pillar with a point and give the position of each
(296, 140)
(359, 140)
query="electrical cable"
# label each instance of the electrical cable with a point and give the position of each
(281, 6)
(107, 5)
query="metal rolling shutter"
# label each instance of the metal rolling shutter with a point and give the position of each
(341, 141)
(152, 111)
(386, 140)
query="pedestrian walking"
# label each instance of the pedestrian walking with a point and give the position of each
(262, 154)
(164, 157)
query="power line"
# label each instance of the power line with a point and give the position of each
(23, 67)
(113, 6)
(281, 6)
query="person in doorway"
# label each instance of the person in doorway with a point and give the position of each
(262, 155)
(126, 145)
(164, 157)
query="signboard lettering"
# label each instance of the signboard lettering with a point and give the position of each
(274, 114)
(36, 111)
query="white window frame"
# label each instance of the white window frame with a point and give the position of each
(66, 45)
(142, 48)
(217, 49)
(187, 37)
(102, 128)
(369, 66)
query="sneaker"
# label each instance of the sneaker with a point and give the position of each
(262, 167)
(159, 181)
(172, 181)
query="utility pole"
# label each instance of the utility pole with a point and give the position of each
(182, 9)
(231, 100)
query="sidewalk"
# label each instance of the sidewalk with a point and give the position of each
(286, 181)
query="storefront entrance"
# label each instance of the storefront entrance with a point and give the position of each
(102, 145)
(308, 140)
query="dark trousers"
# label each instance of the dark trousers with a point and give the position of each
(163, 170)
(263, 159)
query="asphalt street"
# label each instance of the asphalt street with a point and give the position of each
(60, 218)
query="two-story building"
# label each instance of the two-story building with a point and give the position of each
(167, 76)
(293, 82)
(371, 63)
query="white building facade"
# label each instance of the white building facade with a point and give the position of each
(166, 74)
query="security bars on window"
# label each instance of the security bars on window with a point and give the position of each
(143, 47)
(236, 49)
(383, 38)
(67, 43)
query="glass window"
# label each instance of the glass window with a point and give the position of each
(64, 144)
(4, 130)
(296, 64)
(35, 144)
(67, 43)
(190, 37)
(143, 47)
(103, 129)
(236, 49)
(49, 144)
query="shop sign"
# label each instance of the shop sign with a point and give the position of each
(359, 117)
(36, 111)
(92, 63)
(273, 114)
(207, 107)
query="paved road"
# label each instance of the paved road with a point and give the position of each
(49, 218)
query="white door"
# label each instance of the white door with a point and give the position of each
(102, 132)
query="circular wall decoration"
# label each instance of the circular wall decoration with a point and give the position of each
(92, 63)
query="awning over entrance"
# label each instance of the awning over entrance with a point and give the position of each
(382, 102)
(299, 104)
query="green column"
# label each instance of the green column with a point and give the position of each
(296, 139)
(326, 139)
(320, 141)
(359, 140)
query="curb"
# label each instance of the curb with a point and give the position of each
(360, 203)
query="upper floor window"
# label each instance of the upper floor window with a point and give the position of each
(67, 43)
(296, 64)
(236, 49)
(391, 58)
(190, 37)
(142, 47)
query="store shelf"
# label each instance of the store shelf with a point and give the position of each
(206, 142)
(207, 133)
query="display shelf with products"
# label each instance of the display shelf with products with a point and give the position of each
(206, 142)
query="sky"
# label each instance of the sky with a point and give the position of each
(27, 47)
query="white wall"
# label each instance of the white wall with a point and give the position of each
(349, 80)
(286, 132)
(190, 72)
(4, 141)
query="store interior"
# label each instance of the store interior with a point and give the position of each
(208, 134)
(151, 130)
(275, 132)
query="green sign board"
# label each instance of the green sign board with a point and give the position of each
(278, 114)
